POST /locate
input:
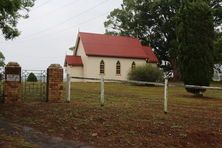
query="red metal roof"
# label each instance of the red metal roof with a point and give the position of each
(150, 54)
(73, 60)
(112, 46)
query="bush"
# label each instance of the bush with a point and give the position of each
(146, 73)
(32, 78)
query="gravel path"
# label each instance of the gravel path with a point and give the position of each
(35, 138)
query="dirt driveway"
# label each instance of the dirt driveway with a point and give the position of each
(14, 135)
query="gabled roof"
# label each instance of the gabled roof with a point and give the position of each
(73, 60)
(150, 54)
(112, 46)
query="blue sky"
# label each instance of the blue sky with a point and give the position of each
(52, 28)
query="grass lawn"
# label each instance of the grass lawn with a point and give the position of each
(132, 117)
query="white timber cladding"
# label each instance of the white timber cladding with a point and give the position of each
(76, 71)
(91, 66)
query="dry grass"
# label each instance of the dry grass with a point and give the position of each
(132, 117)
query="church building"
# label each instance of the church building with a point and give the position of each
(111, 56)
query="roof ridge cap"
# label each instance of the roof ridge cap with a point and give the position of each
(111, 35)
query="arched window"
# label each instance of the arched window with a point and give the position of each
(133, 66)
(102, 67)
(118, 68)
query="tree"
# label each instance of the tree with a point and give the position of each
(2, 64)
(154, 23)
(2, 60)
(218, 52)
(195, 35)
(10, 12)
(218, 48)
(32, 78)
(216, 7)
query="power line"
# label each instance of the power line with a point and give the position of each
(81, 23)
(39, 7)
(70, 18)
(44, 3)
(68, 28)
(60, 7)
(29, 56)
(76, 25)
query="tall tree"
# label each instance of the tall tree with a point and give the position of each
(10, 12)
(195, 35)
(2, 60)
(218, 48)
(154, 23)
(216, 6)
(2, 64)
(218, 52)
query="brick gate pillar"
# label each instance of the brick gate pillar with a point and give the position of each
(54, 83)
(12, 86)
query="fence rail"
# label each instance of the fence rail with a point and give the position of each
(165, 85)
(120, 81)
(149, 83)
(202, 87)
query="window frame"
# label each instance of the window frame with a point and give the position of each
(102, 67)
(133, 65)
(118, 68)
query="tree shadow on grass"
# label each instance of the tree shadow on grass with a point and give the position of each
(204, 98)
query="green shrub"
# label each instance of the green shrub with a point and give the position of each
(146, 73)
(32, 78)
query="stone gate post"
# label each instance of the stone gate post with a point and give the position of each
(54, 83)
(12, 86)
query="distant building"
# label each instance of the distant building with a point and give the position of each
(112, 56)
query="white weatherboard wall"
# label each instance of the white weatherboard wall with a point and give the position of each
(91, 66)
(81, 52)
(75, 71)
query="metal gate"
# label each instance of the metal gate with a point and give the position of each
(34, 85)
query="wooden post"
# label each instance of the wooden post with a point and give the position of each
(165, 95)
(68, 87)
(102, 100)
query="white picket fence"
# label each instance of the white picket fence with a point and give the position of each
(165, 85)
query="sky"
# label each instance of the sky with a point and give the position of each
(52, 28)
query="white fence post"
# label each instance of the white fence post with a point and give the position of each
(165, 95)
(102, 100)
(68, 87)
